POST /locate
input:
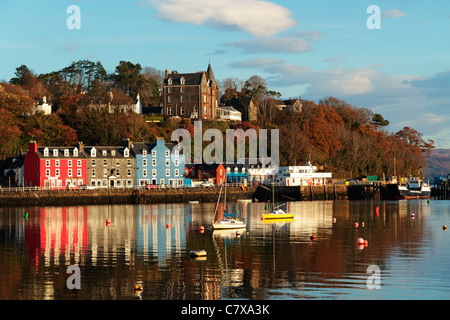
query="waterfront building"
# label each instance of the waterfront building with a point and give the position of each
(54, 167)
(110, 166)
(214, 172)
(236, 173)
(259, 170)
(301, 176)
(159, 163)
(190, 95)
(43, 106)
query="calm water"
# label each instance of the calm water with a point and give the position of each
(267, 261)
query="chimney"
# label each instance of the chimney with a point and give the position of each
(80, 146)
(167, 73)
(127, 143)
(33, 147)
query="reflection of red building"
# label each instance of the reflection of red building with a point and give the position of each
(54, 167)
(52, 232)
(214, 172)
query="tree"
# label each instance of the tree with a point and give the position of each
(24, 77)
(128, 77)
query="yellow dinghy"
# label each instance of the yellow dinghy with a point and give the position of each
(277, 214)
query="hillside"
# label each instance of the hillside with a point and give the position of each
(438, 164)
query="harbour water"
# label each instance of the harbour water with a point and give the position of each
(405, 256)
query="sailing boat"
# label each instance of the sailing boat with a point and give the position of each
(228, 222)
(277, 212)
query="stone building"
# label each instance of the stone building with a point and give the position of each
(190, 95)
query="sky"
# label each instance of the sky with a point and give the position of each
(312, 49)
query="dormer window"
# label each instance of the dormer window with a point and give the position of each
(113, 152)
(104, 153)
(170, 81)
(55, 152)
(46, 152)
(75, 152)
(66, 152)
(182, 81)
(93, 152)
(144, 153)
(126, 152)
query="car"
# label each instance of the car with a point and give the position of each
(151, 186)
(207, 184)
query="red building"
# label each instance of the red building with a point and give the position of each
(54, 167)
(213, 172)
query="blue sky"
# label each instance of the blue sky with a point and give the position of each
(312, 49)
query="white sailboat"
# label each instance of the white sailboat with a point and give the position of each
(228, 222)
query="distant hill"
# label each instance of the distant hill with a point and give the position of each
(438, 163)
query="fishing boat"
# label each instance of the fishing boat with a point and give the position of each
(277, 212)
(228, 221)
(414, 189)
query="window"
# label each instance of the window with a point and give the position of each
(182, 81)
(118, 173)
(169, 90)
(162, 181)
(79, 172)
(47, 163)
(93, 172)
(56, 163)
(69, 172)
(144, 153)
(113, 153)
(129, 172)
(104, 153)
(93, 163)
(153, 162)
(105, 163)
(47, 172)
(167, 172)
(170, 82)
(117, 163)
(177, 172)
(167, 153)
(46, 152)
(169, 99)
(93, 152)
(105, 172)
(182, 89)
(169, 110)
(66, 152)
(144, 172)
(129, 163)
(182, 98)
(69, 163)
(204, 98)
(181, 110)
(153, 153)
(154, 172)
(167, 162)
(55, 152)
(177, 162)
(79, 163)
(126, 152)
(75, 152)
(144, 162)
(57, 172)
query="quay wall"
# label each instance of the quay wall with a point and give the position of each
(183, 195)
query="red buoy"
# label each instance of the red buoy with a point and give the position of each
(313, 237)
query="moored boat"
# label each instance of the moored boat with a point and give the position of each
(414, 189)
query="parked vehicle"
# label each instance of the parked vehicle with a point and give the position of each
(207, 184)
(151, 186)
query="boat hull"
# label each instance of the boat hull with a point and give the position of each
(409, 194)
(228, 225)
(278, 216)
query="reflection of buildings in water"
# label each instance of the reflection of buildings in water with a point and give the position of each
(56, 232)
(161, 231)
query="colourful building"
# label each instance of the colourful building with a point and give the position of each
(54, 167)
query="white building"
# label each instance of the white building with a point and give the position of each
(43, 106)
(301, 176)
(228, 113)
(259, 170)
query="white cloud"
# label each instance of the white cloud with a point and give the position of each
(260, 18)
(393, 14)
(255, 63)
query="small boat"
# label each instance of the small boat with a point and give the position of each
(414, 189)
(198, 253)
(228, 222)
(193, 201)
(277, 214)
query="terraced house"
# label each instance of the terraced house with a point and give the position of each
(110, 166)
(159, 164)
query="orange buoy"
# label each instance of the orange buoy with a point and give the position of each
(313, 237)
(444, 228)
(167, 226)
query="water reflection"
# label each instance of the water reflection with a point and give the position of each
(150, 245)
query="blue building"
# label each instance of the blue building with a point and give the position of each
(236, 173)
(159, 164)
